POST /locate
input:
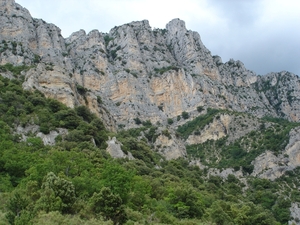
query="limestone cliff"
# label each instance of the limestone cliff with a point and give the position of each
(135, 71)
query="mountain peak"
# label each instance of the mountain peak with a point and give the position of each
(176, 25)
(137, 72)
(10, 7)
(143, 23)
(7, 2)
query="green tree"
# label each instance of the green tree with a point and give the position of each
(282, 210)
(49, 201)
(109, 205)
(170, 121)
(100, 136)
(200, 108)
(85, 113)
(185, 202)
(117, 179)
(185, 115)
(57, 194)
(16, 206)
(55, 105)
(220, 213)
(137, 121)
(5, 183)
(140, 192)
(68, 118)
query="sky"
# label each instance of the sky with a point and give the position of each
(263, 34)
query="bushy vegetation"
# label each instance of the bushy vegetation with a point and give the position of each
(76, 182)
(240, 153)
(196, 124)
(16, 70)
(165, 69)
(107, 39)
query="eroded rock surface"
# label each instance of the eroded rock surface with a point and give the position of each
(114, 149)
(135, 71)
(269, 166)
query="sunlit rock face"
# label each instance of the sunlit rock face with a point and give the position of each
(135, 71)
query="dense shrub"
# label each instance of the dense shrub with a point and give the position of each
(75, 181)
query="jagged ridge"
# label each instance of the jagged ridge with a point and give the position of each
(139, 72)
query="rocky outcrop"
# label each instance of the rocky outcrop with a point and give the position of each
(282, 91)
(48, 139)
(33, 37)
(224, 173)
(269, 166)
(115, 151)
(295, 214)
(169, 146)
(213, 131)
(227, 125)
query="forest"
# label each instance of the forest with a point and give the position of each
(76, 181)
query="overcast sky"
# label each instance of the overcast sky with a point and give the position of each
(263, 34)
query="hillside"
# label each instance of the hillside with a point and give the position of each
(140, 126)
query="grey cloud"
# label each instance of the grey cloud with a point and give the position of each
(238, 12)
(262, 46)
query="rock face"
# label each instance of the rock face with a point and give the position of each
(282, 91)
(135, 71)
(170, 147)
(213, 131)
(225, 125)
(271, 167)
(48, 139)
(114, 149)
(295, 214)
(33, 36)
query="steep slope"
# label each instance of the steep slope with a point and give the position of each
(282, 92)
(137, 71)
(157, 91)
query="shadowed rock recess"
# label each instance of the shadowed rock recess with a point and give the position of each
(165, 77)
